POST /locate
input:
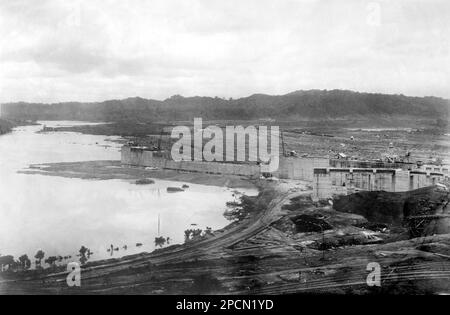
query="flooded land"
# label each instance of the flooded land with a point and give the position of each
(71, 208)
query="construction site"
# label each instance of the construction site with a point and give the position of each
(328, 177)
(315, 226)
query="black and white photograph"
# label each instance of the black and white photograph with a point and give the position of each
(225, 148)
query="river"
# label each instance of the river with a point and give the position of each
(59, 215)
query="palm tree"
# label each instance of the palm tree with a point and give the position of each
(187, 235)
(83, 251)
(196, 233)
(25, 262)
(51, 260)
(208, 231)
(83, 260)
(160, 241)
(7, 260)
(39, 256)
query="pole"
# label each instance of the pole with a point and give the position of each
(159, 225)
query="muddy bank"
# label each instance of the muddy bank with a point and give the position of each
(392, 207)
(7, 125)
(266, 253)
(103, 170)
(283, 243)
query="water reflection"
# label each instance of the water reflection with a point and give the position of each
(107, 217)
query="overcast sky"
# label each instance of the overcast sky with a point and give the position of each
(95, 50)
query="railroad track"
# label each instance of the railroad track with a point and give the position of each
(427, 271)
(106, 277)
(199, 249)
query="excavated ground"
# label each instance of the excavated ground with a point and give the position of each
(286, 244)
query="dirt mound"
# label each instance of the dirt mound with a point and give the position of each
(375, 206)
(415, 209)
(307, 223)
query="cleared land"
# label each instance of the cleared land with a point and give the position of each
(285, 244)
(327, 139)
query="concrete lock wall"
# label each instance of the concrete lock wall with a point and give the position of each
(141, 157)
(401, 181)
(326, 181)
(299, 168)
(326, 184)
(383, 180)
(420, 179)
(343, 163)
(431, 168)
(289, 167)
(322, 184)
(331, 181)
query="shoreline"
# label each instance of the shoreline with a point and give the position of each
(265, 253)
(7, 126)
(109, 170)
(106, 170)
(271, 249)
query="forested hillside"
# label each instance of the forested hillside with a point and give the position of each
(299, 105)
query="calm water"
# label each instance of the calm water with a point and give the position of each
(58, 215)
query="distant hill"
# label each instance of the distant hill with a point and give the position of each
(295, 106)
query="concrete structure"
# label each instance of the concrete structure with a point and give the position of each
(327, 181)
(431, 168)
(300, 167)
(289, 167)
(139, 156)
(337, 181)
(343, 163)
